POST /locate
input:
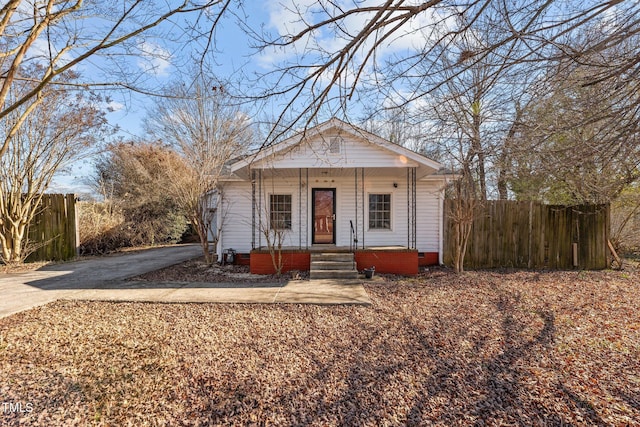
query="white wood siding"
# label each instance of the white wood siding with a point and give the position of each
(429, 216)
(235, 215)
(237, 226)
(354, 152)
(279, 185)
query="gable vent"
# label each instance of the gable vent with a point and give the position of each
(335, 145)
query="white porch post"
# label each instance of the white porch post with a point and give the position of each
(299, 208)
(253, 209)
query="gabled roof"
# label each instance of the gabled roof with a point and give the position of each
(341, 126)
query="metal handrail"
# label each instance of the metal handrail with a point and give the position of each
(353, 243)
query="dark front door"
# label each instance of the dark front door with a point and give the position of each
(324, 215)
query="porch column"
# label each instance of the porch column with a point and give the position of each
(306, 209)
(362, 197)
(300, 208)
(355, 199)
(411, 208)
(259, 208)
(253, 209)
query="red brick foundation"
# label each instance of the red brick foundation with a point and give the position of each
(403, 262)
(243, 259)
(393, 262)
(261, 263)
(428, 258)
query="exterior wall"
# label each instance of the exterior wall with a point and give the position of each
(429, 216)
(235, 217)
(236, 213)
(397, 235)
(297, 235)
(354, 152)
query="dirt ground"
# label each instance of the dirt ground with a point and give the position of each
(196, 270)
(481, 348)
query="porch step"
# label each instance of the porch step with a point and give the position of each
(333, 266)
(332, 256)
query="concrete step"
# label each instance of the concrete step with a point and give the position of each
(333, 274)
(336, 257)
(332, 265)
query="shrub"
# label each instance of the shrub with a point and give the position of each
(100, 227)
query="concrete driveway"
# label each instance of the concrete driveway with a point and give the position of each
(103, 279)
(71, 280)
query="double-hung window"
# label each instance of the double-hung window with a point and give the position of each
(380, 211)
(280, 211)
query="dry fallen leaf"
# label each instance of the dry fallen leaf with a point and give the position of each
(497, 347)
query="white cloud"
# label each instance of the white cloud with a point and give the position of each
(113, 106)
(41, 52)
(292, 16)
(154, 59)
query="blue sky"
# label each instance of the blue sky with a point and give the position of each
(232, 54)
(234, 57)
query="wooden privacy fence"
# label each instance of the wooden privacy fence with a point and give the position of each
(53, 229)
(533, 235)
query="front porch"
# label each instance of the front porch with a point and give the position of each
(334, 189)
(386, 259)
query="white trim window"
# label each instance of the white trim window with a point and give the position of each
(380, 211)
(280, 213)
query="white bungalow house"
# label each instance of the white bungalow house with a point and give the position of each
(334, 188)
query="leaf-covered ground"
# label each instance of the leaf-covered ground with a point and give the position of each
(483, 348)
(196, 270)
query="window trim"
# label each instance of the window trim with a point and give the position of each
(369, 228)
(288, 226)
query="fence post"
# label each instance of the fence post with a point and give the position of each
(530, 242)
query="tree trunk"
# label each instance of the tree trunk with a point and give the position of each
(203, 235)
(12, 242)
(504, 158)
(476, 145)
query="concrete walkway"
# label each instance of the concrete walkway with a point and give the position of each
(102, 278)
(319, 291)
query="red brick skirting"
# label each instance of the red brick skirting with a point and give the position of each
(261, 263)
(394, 262)
(428, 258)
(404, 262)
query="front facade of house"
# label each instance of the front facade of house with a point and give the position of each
(334, 188)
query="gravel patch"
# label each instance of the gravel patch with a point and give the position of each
(482, 348)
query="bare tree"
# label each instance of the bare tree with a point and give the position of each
(359, 53)
(462, 214)
(625, 221)
(274, 231)
(61, 35)
(59, 128)
(207, 130)
(578, 143)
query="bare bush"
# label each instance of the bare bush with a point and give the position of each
(100, 227)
